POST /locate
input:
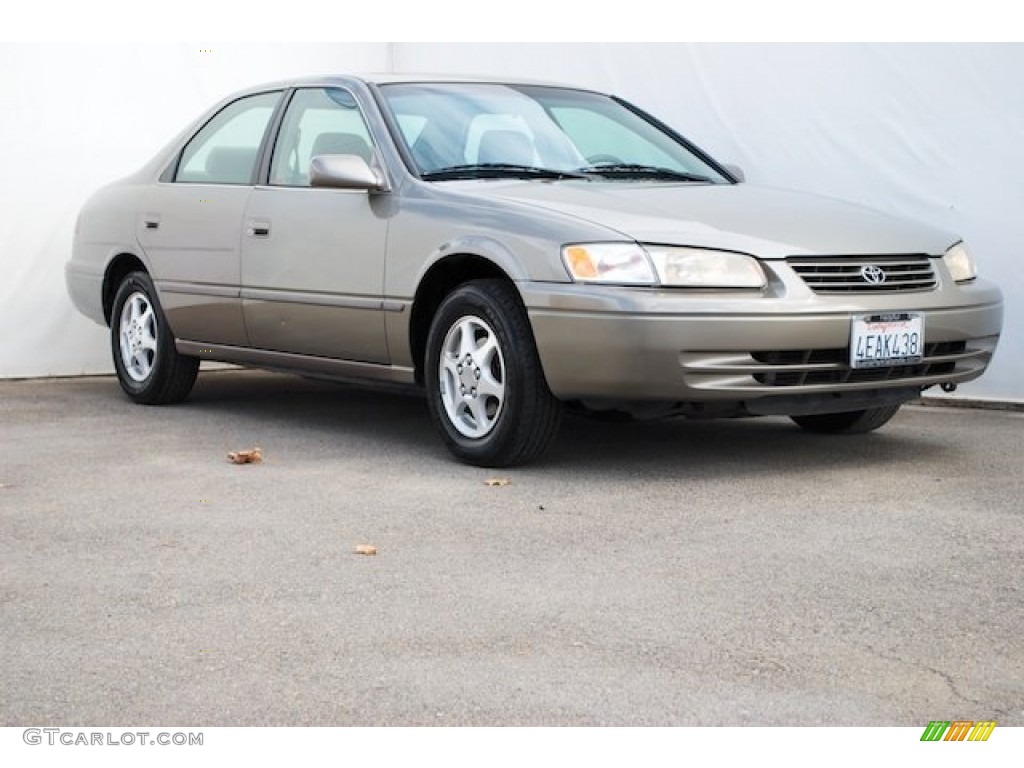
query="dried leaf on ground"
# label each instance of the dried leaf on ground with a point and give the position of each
(252, 456)
(366, 549)
(497, 482)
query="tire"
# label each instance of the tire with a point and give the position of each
(849, 423)
(610, 416)
(486, 390)
(148, 366)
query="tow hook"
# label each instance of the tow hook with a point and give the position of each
(948, 387)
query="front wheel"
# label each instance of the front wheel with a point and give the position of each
(148, 366)
(849, 423)
(486, 389)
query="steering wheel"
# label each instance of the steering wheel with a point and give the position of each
(603, 160)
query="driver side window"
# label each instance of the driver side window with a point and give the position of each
(319, 121)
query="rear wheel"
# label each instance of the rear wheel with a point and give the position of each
(849, 423)
(148, 366)
(486, 390)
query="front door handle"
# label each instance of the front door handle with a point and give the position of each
(258, 229)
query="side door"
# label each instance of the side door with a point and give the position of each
(313, 258)
(190, 224)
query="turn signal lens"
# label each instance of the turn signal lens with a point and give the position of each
(615, 263)
(960, 263)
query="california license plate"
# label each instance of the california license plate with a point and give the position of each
(886, 339)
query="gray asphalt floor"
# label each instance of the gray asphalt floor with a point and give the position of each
(668, 573)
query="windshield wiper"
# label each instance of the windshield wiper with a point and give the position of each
(498, 170)
(639, 171)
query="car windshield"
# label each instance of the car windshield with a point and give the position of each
(482, 130)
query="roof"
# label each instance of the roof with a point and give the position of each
(384, 78)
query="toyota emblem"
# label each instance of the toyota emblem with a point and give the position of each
(872, 274)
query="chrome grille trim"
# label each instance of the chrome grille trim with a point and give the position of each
(809, 371)
(829, 366)
(844, 274)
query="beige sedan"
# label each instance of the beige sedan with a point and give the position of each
(515, 249)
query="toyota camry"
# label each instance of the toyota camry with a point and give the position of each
(515, 250)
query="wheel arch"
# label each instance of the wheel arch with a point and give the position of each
(119, 267)
(442, 277)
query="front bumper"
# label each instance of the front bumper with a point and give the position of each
(613, 343)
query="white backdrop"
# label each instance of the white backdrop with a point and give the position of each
(930, 131)
(76, 117)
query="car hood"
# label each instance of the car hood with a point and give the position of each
(767, 222)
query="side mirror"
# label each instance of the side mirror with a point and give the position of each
(735, 171)
(345, 172)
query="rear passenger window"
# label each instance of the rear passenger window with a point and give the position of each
(225, 149)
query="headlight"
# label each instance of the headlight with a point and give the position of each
(633, 264)
(621, 263)
(693, 268)
(960, 263)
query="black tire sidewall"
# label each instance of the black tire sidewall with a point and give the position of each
(142, 391)
(473, 299)
(848, 422)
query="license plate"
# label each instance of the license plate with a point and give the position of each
(886, 339)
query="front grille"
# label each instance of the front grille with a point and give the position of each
(865, 274)
(831, 366)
